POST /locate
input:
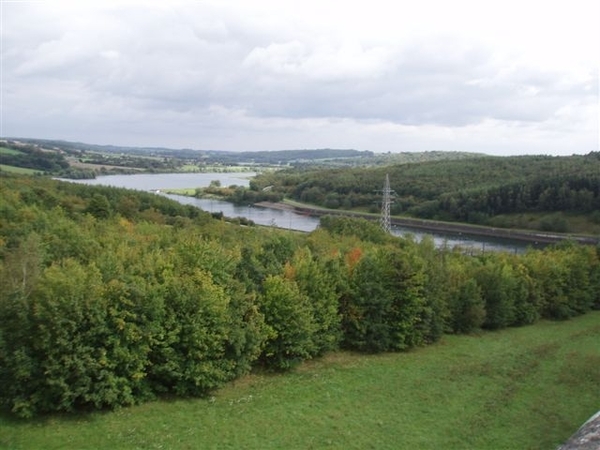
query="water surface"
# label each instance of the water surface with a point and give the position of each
(274, 217)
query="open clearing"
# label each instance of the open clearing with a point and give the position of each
(525, 388)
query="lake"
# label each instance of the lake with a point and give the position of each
(273, 217)
(159, 181)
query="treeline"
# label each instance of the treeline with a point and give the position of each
(111, 297)
(571, 193)
(120, 161)
(239, 195)
(283, 157)
(297, 158)
(32, 157)
(473, 190)
(102, 154)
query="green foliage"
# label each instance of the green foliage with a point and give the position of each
(99, 207)
(497, 286)
(436, 312)
(188, 355)
(269, 258)
(110, 297)
(64, 318)
(487, 392)
(32, 157)
(469, 190)
(316, 279)
(552, 279)
(289, 316)
(348, 226)
(467, 308)
(385, 306)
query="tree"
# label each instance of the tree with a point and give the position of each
(288, 314)
(385, 307)
(99, 206)
(187, 356)
(497, 286)
(55, 367)
(467, 308)
(316, 281)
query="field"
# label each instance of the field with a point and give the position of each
(9, 151)
(21, 170)
(525, 388)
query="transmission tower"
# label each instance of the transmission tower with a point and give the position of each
(385, 221)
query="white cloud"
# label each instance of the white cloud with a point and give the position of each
(321, 62)
(466, 75)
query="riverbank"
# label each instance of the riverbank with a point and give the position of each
(442, 227)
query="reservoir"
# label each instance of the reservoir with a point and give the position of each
(273, 217)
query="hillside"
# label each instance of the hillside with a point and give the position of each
(111, 297)
(475, 190)
(82, 160)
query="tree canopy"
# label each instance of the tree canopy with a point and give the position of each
(110, 297)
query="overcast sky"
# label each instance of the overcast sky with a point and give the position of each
(499, 77)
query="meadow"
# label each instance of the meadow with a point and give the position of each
(19, 170)
(525, 388)
(9, 151)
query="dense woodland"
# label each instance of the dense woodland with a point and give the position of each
(475, 190)
(110, 297)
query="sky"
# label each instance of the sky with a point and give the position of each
(498, 77)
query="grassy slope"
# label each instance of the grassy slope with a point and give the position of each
(14, 169)
(21, 170)
(526, 388)
(9, 151)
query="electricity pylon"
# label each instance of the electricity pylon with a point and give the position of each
(385, 221)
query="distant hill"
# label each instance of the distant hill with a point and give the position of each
(262, 156)
(173, 160)
(471, 190)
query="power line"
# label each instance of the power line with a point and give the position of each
(385, 220)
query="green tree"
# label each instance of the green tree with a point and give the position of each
(99, 206)
(289, 316)
(385, 307)
(187, 357)
(467, 308)
(318, 284)
(55, 367)
(497, 285)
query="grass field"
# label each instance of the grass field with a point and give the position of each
(21, 170)
(524, 388)
(190, 192)
(9, 151)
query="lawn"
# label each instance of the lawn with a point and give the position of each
(522, 388)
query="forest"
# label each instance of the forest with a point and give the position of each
(110, 297)
(484, 190)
